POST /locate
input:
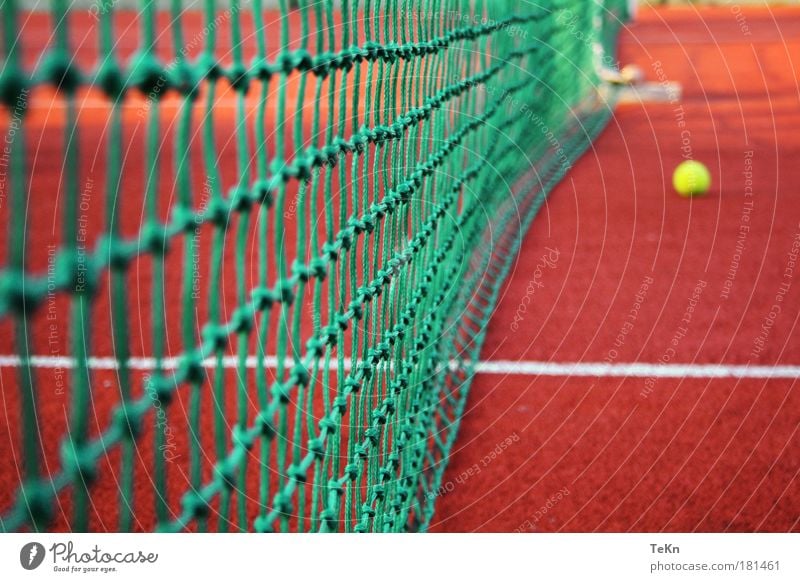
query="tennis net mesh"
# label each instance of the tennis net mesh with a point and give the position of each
(251, 249)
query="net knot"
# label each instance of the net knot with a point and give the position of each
(379, 209)
(160, 389)
(238, 77)
(317, 448)
(281, 392)
(329, 517)
(356, 308)
(328, 425)
(14, 90)
(352, 384)
(404, 189)
(319, 268)
(402, 381)
(372, 435)
(17, 294)
(224, 471)
(389, 404)
(191, 368)
(369, 222)
(184, 218)
(285, 291)
(330, 333)
(77, 463)
(239, 199)
(331, 250)
(184, 79)
(263, 298)
(149, 76)
(351, 471)
(263, 524)
(209, 67)
(300, 375)
(265, 426)
(60, 71)
(342, 321)
(297, 473)
(128, 422)
(303, 60)
(362, 451)
(371, 51)
(241, 438)
(218, 212)
(340, 404)
(301, 271)
(195, 504)
(315, 346)
(379, 416)
(367, 510)
(215, 336)
(365, 294)
(378, 492)
(301, 168)
(315, 157)
(262, 193)
(285, 63)
(155, 238)
(358, 142)
(344, 60)
(331, 153)
(390, 52)
(35, 499)
(282, 504)
(242, 319)
(322, 64)
(116, 251)
(260, 69)
(110, 79)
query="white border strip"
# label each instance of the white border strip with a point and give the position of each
(498, 367)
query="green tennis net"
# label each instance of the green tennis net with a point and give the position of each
(251, 249)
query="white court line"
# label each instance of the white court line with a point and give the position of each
(501, 367)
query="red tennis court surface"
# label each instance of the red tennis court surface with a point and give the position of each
(616, 269)
(619, 269)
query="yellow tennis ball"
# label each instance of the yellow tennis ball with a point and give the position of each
(691, 178)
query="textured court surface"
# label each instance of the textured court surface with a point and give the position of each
(619, 269)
